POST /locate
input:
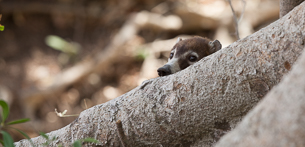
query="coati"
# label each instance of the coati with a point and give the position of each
(187, 52)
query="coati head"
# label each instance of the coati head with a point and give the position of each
(187, 52)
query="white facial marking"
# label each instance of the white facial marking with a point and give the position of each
(173, 63)
(172, 52)
(174, 66)
(191, 53)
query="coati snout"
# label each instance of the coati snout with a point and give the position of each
(187, 52)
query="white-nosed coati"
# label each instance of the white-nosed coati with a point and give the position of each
(187, 52)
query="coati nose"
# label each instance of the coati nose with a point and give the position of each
(164, 70)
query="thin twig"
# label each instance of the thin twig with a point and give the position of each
(235, 20)
(86, 107)
(243, 11)
(121, 133)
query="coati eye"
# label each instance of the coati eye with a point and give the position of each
(192, 58)
(171, 55)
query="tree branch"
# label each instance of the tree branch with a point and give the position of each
(278, 121)
(287, 5)
(199, 104)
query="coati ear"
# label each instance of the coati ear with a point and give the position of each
(214, 46)
(179, 39)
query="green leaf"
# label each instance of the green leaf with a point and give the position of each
(18, 121)
(5, 110)
(7, 139)
(2, 142)
(44, 135)
(25, 135)
(21, 132)
(54, 137)
(91, 140)
(61, 44)
(77, 143)
(1, 28)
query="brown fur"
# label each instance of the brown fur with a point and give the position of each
(197, 44)
(201, 46)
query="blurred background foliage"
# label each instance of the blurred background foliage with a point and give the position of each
(72, 55)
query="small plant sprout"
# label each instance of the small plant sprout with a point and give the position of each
(63, 114)
(7, 140)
